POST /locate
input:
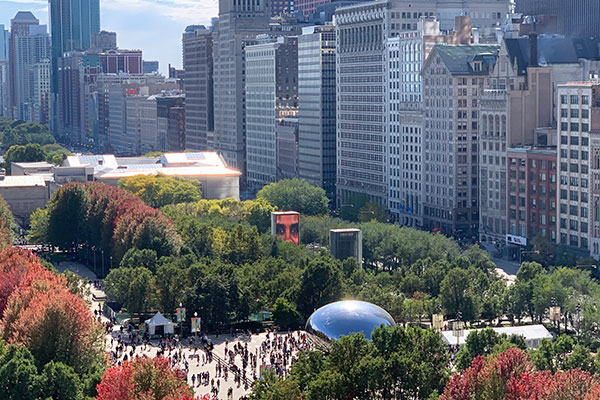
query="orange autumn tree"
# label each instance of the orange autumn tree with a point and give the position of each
(144, 378)
(43, 315)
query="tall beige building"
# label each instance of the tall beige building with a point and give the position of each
(454, 78)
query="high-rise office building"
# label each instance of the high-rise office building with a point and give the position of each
(578, 109)
(29, 45)
(4, 87)
(362, 113)
(72, 25)
(41, 91)
(316, 107)
(576, 18)
(198, 85)
(239, 23)
(170, 116)
(454, 77)
(407, 53)
(271, 95)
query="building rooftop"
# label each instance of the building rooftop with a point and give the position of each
(195, 164)
(460, 59)
(24, 16)
(529, 332)
(22, 181)
(39, 164)
(552, 50)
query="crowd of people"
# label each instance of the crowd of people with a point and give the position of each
(224, 369)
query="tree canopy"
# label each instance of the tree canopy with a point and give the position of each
(295, 195)
(159, 190)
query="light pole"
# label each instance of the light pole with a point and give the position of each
(104, 276)
(111, 262)
(195, 330)
(180, 323)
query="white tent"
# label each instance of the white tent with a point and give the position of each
(160, 322)
(533, 334)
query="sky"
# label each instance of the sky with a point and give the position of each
(154, 26)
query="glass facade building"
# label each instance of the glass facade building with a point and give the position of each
(316, 107)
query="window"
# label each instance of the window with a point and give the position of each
(574, 195)
(574, 99)
(573, 225)
(574, 113)
(574, 126)
(564, 113)
(574, 210)
(564, 99)
(585, 99)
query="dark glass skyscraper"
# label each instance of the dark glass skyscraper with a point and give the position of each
(72, 24)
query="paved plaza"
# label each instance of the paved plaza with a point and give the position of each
(225, 373)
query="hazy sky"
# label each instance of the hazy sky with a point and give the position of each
(154, 26)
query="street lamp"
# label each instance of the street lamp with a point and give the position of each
(103, 275)
(195, 330)
(111, 262)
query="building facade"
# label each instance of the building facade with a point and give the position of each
(29, 45)
(271, 95)
(316, 108)
(199, 100)
(239, 23)
(531, 192)
(453, 79)
(577, 116)
(72, 25)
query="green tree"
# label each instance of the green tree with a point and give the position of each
(321, 283)
(349, 211)
(416, 361)
(39, 222)
(140, 258)
(17, 374)
(285, 314)
(170, 282)
(457, 296)
(160, 190)
(372, 211)
(66, 216)
(295, 195)
(270, 387)
(30, 152)
(130, 286)
(58, 382)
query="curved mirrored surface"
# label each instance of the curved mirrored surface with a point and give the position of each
(347, 317)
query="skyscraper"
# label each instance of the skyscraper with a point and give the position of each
(271, 95)
(239, 23)
(72, 24)
(198, 83)
(316, 107)
(4, 34)
(29, 44)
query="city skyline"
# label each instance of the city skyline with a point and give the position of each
(163, 45)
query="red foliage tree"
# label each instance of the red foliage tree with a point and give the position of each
(20, 268)
(143, 378)
(511, 376)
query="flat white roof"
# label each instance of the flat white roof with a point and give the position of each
(529, 332)
(22, 181)
(39, 164)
